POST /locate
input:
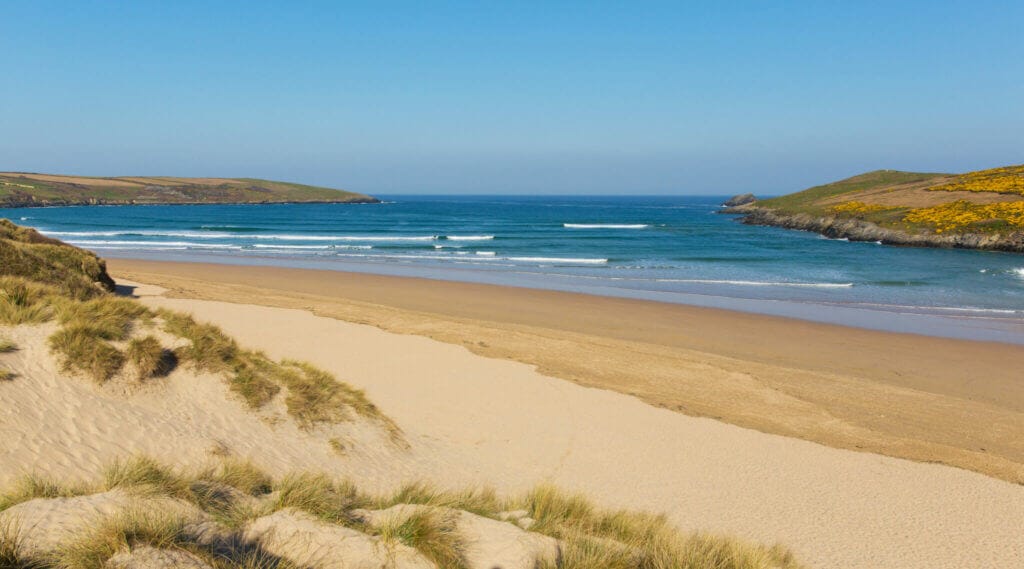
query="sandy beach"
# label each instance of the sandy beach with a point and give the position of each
(928, 399)
(473, 420)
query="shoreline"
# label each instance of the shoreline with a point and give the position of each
(901, 395)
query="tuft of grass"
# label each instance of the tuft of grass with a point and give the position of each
(149, 358)
(6, 375)
(83, 350)
(10, 548)
(110, 317)
(209, 349)
(7, 346)
(629, 540)
(315, 396)
(130, 528)
(338, 446)
(251, 378)
(480, 501)
(25, 302)
(32, 486)
(243, 476)
(433, 532)
(318, 495)
(144, 473)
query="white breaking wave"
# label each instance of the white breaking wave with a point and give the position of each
(605, 225)
(1019, 272)
(569, 261)
(257, 236)
(318, 247)
(151, 245)
(756, 283)
(469, 237)
(485, 253)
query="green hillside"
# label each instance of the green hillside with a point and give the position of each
(20, 189)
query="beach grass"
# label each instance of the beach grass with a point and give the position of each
(433, 532)
(7, 346)
(590, 536)
(82, 349)
(149, 358)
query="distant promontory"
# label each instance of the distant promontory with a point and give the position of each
(22, 189)
(976, 210)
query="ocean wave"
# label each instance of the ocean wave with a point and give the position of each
(557, 260)
(756, 283)
(151, 244)
(605, 225)
(485, 253)
(469, 237)
(317, 247)
(222, 235)
(1018, 272)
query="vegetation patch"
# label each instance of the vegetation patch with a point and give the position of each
(149, 358)
(82, 349)
(961, 214)
(1004, 180)
(856, 208)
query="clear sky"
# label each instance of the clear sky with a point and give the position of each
(514, 97)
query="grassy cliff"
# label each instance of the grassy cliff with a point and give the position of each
(18, 189)
(982, 209)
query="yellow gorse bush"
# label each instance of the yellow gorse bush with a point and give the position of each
(855, 207)
(1005, 180)
(961, 213)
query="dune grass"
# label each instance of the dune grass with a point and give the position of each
(32, 486)
(7, 346)
(149, 358)
(591, 537)
(120, 532)
(109, 317)
(83, 350)
(25, 302)
(433, 532)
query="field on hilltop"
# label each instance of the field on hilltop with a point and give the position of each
(20, 189)
(982, 209)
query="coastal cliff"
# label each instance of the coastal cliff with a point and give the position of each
(977, 210)
(860, 230)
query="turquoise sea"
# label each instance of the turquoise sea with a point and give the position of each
(674, 249)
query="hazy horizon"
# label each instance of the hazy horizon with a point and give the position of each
(573, 98)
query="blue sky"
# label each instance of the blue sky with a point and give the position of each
(520, 97)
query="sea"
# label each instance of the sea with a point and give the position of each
(670, 249)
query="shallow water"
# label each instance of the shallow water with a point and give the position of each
(676, 249)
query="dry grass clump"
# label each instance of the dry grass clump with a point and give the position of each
(7, 346)
(632, 540)
(130, 528)
(318, 495)
(251, 378)
(433, 532)
(144, 473)
(32, 486)
(209, 349)
(242, 475)
(25, 302)
(82, 349)
(110, 317)
(149, 358)
(6, 375)
(480, 501)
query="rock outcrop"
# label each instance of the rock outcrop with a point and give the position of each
(860, 230)
(740, 199)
